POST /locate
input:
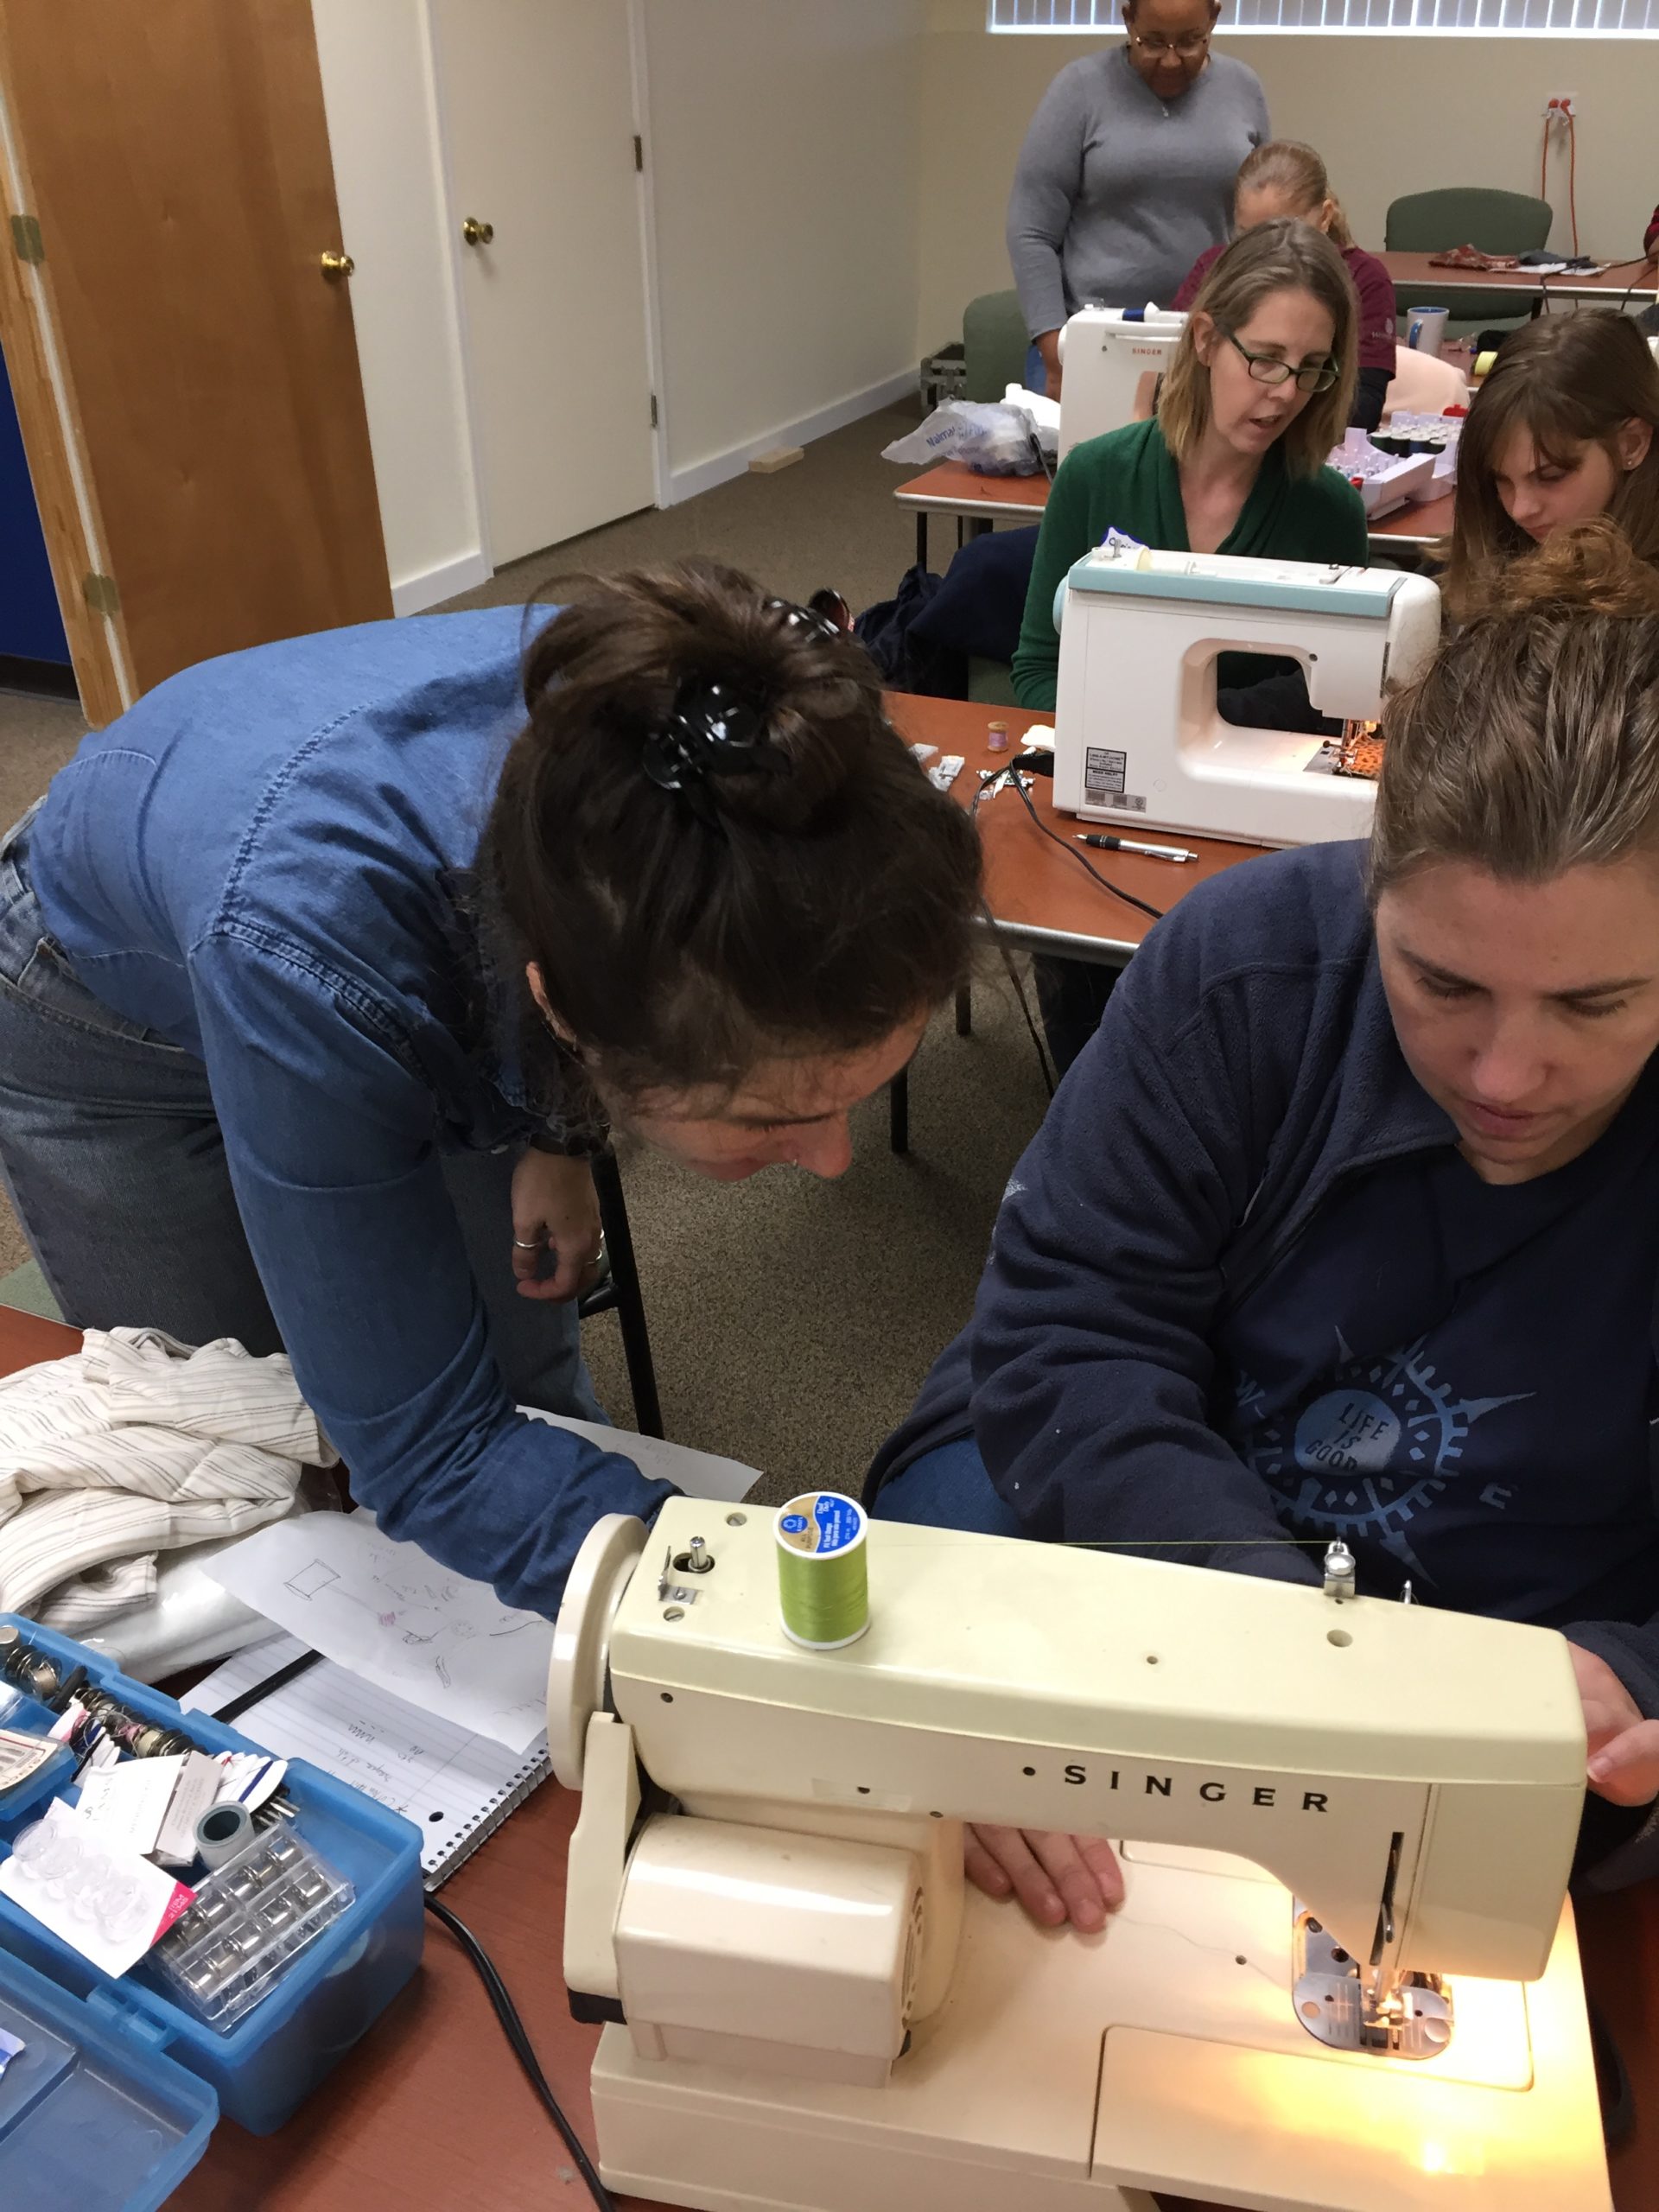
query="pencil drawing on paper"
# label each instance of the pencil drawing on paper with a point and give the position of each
(309, 1580)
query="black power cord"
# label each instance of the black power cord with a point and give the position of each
(518, 2039)
(1646, 262)
(1016, 783)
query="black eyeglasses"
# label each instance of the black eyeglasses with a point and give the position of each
(1269, 368)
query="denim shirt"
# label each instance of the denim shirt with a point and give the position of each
(266, 860)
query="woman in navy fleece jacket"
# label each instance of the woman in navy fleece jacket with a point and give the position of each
(1347, 1223)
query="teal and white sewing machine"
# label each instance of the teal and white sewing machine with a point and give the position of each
(1138, 739)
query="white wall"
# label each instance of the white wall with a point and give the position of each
(383, 132)
(1391, 114)
(783, 173)
(785, 182)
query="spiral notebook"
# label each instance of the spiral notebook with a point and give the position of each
(456, 1787)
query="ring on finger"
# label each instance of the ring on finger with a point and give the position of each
(521, 1245)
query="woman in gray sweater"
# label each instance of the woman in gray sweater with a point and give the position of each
(1127, 173)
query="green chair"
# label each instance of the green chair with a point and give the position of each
(990, 683)
(1496, 222)
(994, 342)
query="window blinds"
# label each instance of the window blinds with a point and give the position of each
(1518, 18)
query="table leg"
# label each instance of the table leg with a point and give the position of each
(898, 1111)
(921, 538)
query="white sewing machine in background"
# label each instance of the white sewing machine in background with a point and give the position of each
(1138, 740)
(1104, 352)
(1343, 1979)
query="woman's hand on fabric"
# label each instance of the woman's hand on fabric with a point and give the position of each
(1623, 1748)
(1057, 1877)
(554, 1218)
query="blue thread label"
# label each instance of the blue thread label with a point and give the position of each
(838, 1520)
(834, 1524)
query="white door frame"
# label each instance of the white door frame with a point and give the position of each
(639, 63)
(457, 290)
(646, 204)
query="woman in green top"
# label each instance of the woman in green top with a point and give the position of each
(1234, 461)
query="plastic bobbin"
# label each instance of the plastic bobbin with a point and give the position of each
(222, 1831)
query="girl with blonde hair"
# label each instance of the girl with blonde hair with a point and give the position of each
(1233, 461)
(1284, 177)
(1255, 398)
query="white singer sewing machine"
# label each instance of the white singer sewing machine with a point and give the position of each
(1104, 352)
(1371, 2001)
(1138, 740)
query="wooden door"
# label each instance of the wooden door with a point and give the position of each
(187, 374)
(537, 107)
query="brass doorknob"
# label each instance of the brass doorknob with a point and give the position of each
(477, 233)
(337, 265)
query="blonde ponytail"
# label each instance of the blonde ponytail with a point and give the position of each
(1287, 166)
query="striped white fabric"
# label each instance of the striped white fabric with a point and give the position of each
(1413, 18)
(138, 1445)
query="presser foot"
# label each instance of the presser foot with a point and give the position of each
(1334, 2001)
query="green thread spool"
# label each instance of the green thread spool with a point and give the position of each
(823, 1595)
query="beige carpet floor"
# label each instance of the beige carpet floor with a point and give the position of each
(793, 1320)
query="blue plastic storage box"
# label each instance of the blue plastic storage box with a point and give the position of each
(92, 2116)
(26, 1801)
(265, 2067)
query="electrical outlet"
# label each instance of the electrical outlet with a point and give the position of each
(1559, 107)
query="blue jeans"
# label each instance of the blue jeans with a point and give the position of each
(1036, 370)
(948, 1488)
(111, 1155)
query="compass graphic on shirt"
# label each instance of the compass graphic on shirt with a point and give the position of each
(1370, 1453)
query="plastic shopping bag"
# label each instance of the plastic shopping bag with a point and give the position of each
(991, 436)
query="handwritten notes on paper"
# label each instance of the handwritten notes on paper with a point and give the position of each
(388, 1612)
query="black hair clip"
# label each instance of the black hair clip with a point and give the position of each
(710, 732)
(805, 618)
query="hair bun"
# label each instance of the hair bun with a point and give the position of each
(1589, 568)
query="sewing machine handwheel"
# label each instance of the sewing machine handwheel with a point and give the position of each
(582, 1635)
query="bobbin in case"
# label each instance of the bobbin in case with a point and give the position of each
(266, 2062)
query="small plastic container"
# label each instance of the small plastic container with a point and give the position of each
(92, 2115)
(250, 1921)
(264, 2065)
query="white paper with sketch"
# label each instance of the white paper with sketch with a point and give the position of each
(437, 1640)
(389, 1613)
